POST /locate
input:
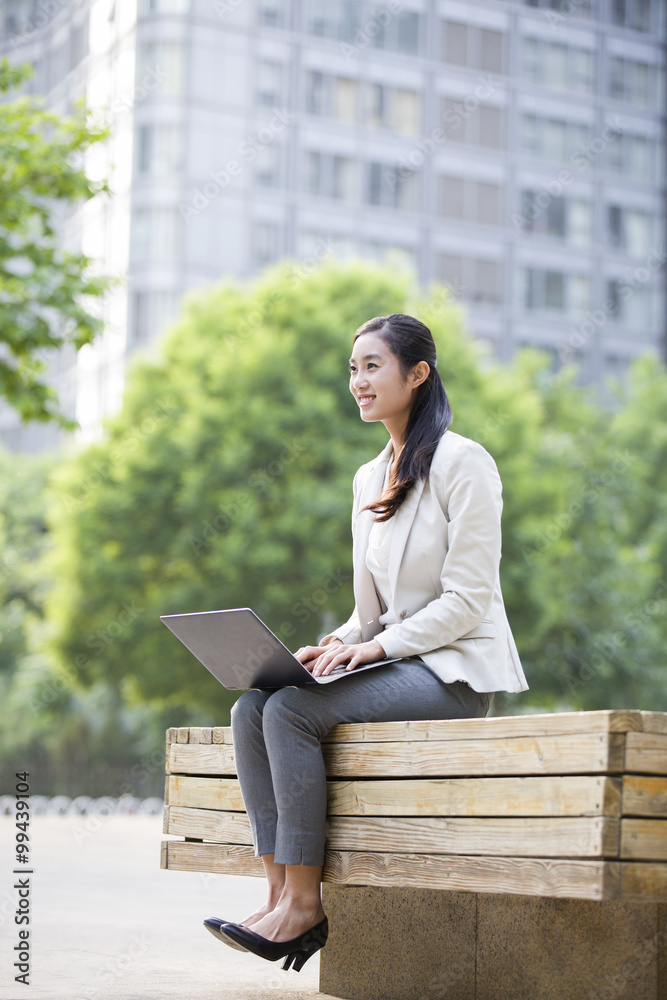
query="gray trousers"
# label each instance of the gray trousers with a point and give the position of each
(278, 751)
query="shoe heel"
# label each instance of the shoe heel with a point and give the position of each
(292, 957)
(298, 959)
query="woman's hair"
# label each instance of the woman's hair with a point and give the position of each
(431, 415)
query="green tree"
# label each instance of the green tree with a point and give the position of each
(46, 293)
(226, 482)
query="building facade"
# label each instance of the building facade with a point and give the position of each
(512, 150)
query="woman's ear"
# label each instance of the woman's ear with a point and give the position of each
(419, 373)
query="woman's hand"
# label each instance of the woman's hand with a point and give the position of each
(321, 660)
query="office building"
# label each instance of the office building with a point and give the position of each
(510, 149)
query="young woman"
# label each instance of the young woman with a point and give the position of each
(426, 528)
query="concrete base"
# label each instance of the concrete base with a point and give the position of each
(425, 944)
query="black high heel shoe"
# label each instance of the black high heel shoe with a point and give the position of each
(215, 926)
(296, 951)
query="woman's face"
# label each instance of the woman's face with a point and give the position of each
(377, 384)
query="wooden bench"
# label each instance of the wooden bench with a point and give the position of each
(547, 833)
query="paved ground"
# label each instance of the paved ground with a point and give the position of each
(107, 922)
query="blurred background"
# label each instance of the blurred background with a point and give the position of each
(202, 199)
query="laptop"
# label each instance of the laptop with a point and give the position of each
(242, 652)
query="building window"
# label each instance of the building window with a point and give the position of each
(477, 126)
(330, 176)
(272, 13)
(554, 64)
(159, 149)
(397, 32)
(633, 14)
(160, 66)
(555, 216)
(345, 99)
(270, 84)
(315, 93)
(150, 313)
(266, 242)
(632, 156)
(629, 230)
(552, 138)
(631, 305)
(389, 186)
(632, 81)
(467, 45)
(583, 8)
(471, 278)
(163, 7)
(338, 19)
(397, 109)
(555, 291)
(472, 201)
(267, 166)
(155, 234)
(332, 96)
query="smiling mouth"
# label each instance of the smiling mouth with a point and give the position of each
(365, 400)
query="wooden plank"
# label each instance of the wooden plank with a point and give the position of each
(654, 722)
(644, 796)
(215, 858)
(588, 753)
(644, 839)
(545, 796)
(218, 734)
(646, 753)
(587, 837)
(558, 724)
(530, 877)
(643, 883)
(165, 819)
(182, 734)
(171, 735)
(526, 876)
(205, 793)
(199, 734)
(568, 837)
(197, 759)
(209, 824)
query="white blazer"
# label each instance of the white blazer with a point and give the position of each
(443, 570)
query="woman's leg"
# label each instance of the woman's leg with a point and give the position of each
(294, 721)
(254, 772)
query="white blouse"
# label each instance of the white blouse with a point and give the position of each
(377, 558)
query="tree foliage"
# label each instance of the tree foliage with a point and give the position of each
(226, 482)
(46, 292)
